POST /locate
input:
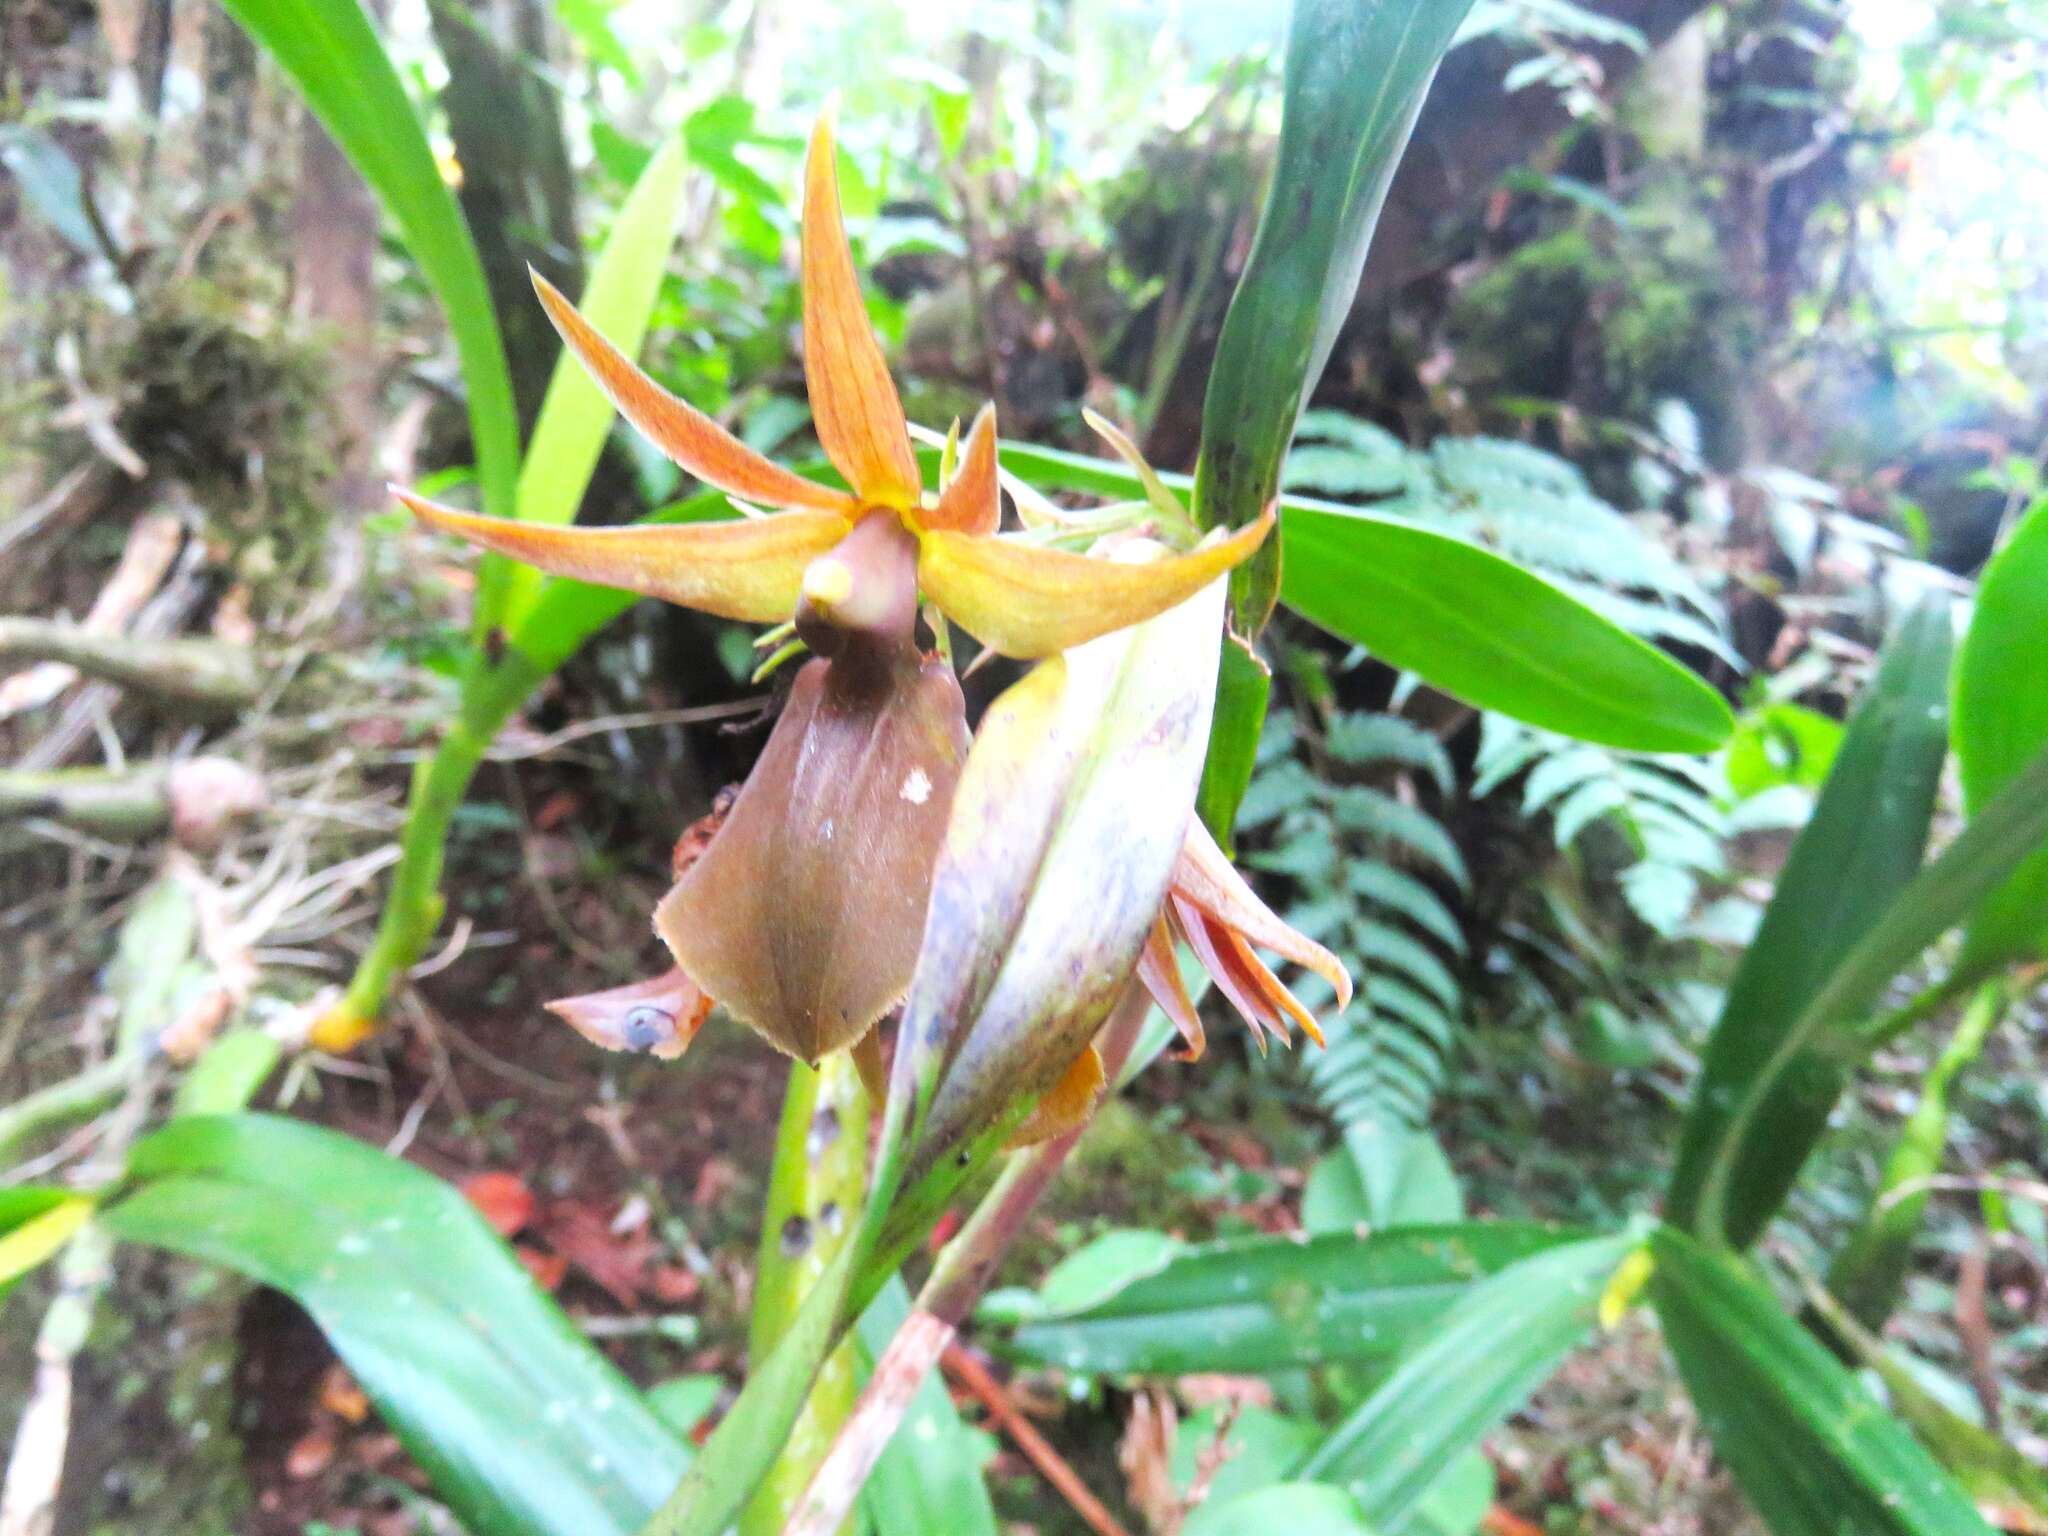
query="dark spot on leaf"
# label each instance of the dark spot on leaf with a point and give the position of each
(796, 1237)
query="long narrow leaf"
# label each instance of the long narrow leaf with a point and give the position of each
(1270, 1303)
(2001, 721)
(575, 417)
(1479, 1365)
(1459, 616)
(1357, 71)
(1765, 1086)
(332, 53)
(1813, 1451)
(524, 1427)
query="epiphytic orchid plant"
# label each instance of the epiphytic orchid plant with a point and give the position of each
(1015, 888)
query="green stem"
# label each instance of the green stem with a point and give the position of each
(814, 1196)
(1869, 1272)
(413, 910)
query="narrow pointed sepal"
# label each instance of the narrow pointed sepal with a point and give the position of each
(1066, 1105)
(696, 442)
(750, 569)
(970, 503)
(659, 1016)
(1206, 878)
(803, 915)
(1160, 972)
(1027, 601)
(854, 404)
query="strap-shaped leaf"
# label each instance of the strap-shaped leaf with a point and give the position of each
(1766, 1086)
(1357, 71)
(1480, 1363)
(1814, 1452)
(2001, 722)
(524, 1427)
(1271, 1303)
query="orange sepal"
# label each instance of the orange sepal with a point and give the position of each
(971, 503)
(678, 428)
(750, 569)
(1027, 601)
(1066, 1104)
(1206, 877)
(1160, 972)
(854, 404)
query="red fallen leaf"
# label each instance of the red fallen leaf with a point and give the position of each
(556, 809)
(310, 1454)
(548, 1269)
(673, 1284)
(617, 1261)
(502, 1199)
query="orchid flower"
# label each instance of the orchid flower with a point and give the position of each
(802, 913)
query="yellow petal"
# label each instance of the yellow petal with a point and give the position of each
(1205, 877)
(679, 429)
(1066, 1105)
(969, 504)
(1027, 601)
(854, 404)
(751, 570)
(1160, 972)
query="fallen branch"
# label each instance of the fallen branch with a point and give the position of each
(966, 1369)
(195, 799)
(204, 675)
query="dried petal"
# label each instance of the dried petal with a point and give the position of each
(802, 917)
(751, 569)
(1028, 601)
(1160, 972)
(678, 428)
(659, 1016)
(1066, 1104)
(970, 503)
(854, 404)
(1206, 877)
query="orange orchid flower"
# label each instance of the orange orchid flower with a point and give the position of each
(1022, 600)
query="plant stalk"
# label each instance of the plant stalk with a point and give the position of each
(814, 1195)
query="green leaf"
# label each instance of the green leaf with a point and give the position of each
(928, 1480)
(1244, 685)
(1814, 1452)
(1456, 1502)
(227, 1076)
(1356, 74)
(1302, 1509)
(1869, 1272)
(35, 1224)
(1266, 1303)
(575, 417)
(1766, 1084)
(2001, 722)
(1492, 634)
(522, 1425)
(1478, 1363)
(1383, 1176)
(1264, 1447)
(331, 52)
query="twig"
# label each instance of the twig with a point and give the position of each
(966, 1369)
(207, 675)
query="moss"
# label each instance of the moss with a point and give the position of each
(227, 400)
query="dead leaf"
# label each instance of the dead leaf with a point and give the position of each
(340, 1395)
(583, 1235)
(311, 1453)
(502, 1199)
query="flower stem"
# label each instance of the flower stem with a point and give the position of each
(814, 1195)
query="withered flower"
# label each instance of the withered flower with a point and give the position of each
(803, 915)
(1211, 910)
